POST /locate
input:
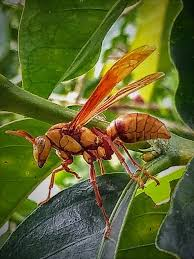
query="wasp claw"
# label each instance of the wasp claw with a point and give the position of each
(76, 175)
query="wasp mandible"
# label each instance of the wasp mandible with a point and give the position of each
(73, 138)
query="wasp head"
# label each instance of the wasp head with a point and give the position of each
(41, 145)
(41, 149)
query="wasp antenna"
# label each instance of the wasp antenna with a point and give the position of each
(21, 133)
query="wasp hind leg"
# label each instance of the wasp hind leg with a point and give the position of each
(140, 168)
(120, 157)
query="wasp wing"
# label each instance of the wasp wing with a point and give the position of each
(130, 88)
(114, 75)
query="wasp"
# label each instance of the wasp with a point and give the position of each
(73, 138)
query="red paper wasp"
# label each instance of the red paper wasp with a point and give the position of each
(70, 139)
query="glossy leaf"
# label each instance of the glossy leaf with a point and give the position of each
(135, 223)
(19, 174)
(176, 234)
(60, 41)
(70, 221)
(108, 248)
(182, 42)
(140, 229)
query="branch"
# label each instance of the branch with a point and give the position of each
(177, 151)
(17, 100)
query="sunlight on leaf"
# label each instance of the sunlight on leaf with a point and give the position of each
(161, 193)
(150, 23)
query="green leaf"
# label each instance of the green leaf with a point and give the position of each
(140, 229)
(70, 221)
(151, 17)
(108, 248)
(60, 41)
(176, 234)
(165, 64)
(4, 34)
(182, 42)
(154, 28)
(4, 237)
(19, 174)
(161, 193)
(23, 210)
(135, 223)
(20, 213)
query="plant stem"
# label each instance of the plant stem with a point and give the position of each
(179, 151)
(17, 100)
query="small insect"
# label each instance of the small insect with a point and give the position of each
(72, 139)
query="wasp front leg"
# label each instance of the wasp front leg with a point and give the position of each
(56, 170)
(64, 166)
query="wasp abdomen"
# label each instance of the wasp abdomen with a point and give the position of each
(137, 127)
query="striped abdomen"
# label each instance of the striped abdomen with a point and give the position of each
(135, 127)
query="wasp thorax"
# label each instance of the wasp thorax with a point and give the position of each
(41, 149)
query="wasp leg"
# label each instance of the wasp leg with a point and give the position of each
(120, 157)
(120, 144)
(149, 176)
(102, 170)
(69, 170)
(99, 199)
(63, 166)
(142, 169)
(56, 170)
(67, 160)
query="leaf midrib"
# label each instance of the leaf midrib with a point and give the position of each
(135, 247)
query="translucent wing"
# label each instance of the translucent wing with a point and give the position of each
(130, 88)
(114, 75)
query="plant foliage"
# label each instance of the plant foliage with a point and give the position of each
(50, 65)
